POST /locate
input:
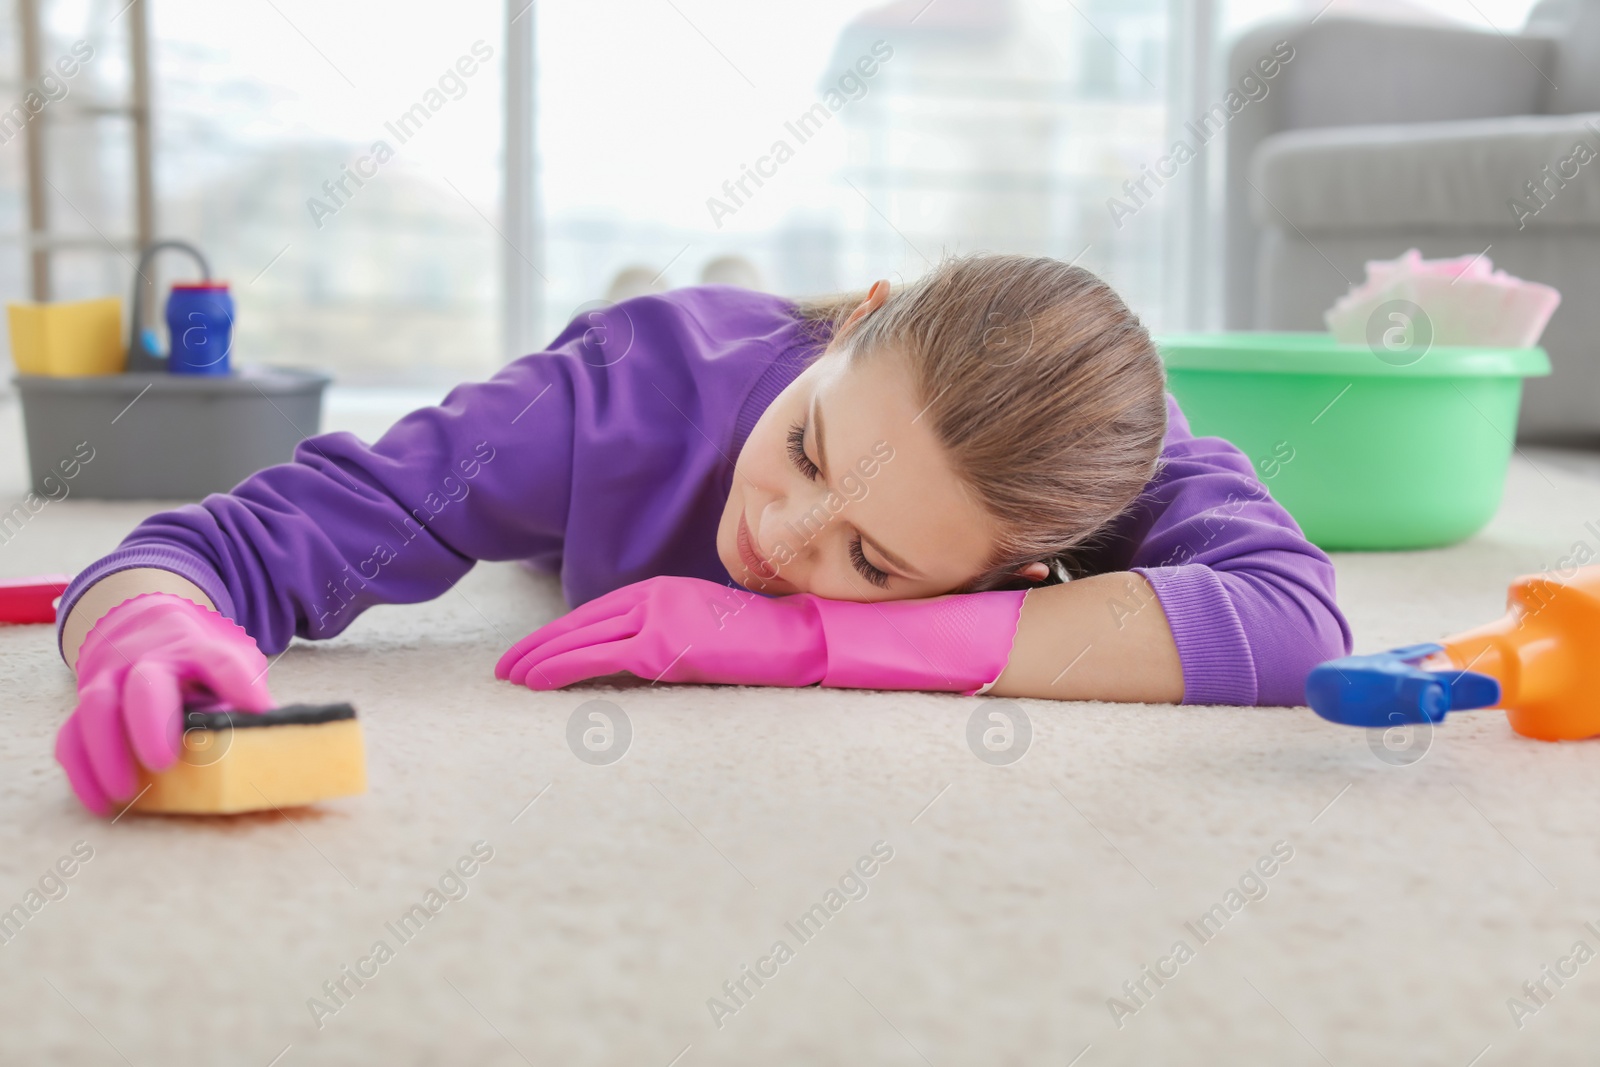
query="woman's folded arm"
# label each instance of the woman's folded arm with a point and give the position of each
(1214, 597)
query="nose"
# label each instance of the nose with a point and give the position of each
(797, 522)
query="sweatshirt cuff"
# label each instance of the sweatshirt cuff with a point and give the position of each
(1218, 666)
(161, 557)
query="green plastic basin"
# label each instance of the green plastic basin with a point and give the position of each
(1364, 453)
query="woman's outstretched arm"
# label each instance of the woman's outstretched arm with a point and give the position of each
(597, 463)
(302, 548)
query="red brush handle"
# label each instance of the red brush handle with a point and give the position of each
(31, 599)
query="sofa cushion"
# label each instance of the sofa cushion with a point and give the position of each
(1438, 174)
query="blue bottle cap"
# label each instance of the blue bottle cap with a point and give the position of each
(1389, 689)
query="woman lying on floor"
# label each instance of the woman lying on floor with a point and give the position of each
(976, 484)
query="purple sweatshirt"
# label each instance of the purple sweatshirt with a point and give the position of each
(608, 459)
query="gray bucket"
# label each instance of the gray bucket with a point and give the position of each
(164, 436)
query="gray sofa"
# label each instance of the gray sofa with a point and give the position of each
(1377, 137)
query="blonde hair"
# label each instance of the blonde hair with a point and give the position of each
(1044, 389)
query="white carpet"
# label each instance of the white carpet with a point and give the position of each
(1019, 898)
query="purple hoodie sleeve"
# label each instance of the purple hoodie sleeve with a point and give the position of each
(606, 457)
(1250, 601)
(304, 547)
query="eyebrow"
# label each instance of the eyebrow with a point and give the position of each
(906, 570)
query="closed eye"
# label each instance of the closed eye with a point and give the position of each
(797, 452)
(859, 559)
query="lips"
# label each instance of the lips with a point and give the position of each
(751, 556)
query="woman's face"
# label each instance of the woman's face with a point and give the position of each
(842, 490)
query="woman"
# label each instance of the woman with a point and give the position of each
(976, 484)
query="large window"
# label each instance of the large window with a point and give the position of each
(825, 145)
(342, 164)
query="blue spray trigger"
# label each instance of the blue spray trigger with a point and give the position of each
(1389, 689)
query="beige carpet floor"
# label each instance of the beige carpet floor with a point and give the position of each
(1419, 896)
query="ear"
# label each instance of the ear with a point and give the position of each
(1033, 572)
(875, 299)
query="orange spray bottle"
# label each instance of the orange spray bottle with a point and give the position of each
(1540, 662)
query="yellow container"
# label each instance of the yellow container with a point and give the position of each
(68, 340)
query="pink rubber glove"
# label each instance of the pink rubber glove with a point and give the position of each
(688, 630)
(139, 666)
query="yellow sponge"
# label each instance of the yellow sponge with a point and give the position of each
(68, 340)
(235, 761)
